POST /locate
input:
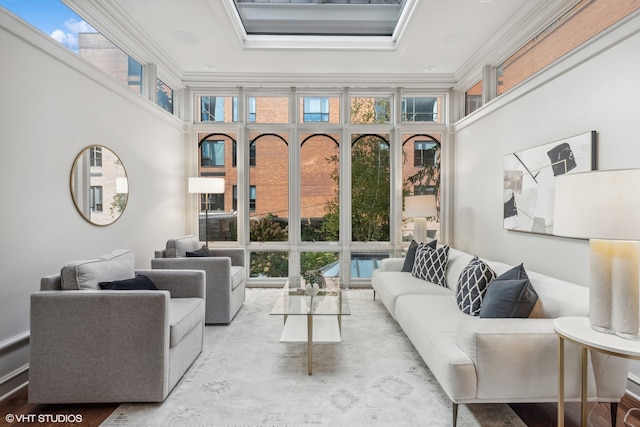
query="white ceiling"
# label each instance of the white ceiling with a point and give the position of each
(198, 40)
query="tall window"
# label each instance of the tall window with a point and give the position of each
(370, 187)
(212, 153)
(370, 110)
(164, 96)
(268, 109)
(95, 154)
(421, 176)
(424, 153)
(101, 52)
(320, 187)
(419, 109)
(585, 20)
(216, 202)
(95, 198)
(316, 110)
(212, 109)
(270, 176)
(252, 198)
(473, 98)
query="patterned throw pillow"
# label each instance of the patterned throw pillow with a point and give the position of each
(431, 264)
(472, 286)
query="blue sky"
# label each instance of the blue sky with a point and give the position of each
(51, 17)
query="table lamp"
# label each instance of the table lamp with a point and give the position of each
(206, 186)
(420, 208)
(604, 206)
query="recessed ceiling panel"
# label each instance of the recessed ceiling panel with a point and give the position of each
(320, 17)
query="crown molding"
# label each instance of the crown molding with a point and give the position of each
(441, 82)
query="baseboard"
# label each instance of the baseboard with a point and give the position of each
(14, 381)
(14, 354)
(633, 386)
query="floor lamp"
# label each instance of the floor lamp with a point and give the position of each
(604, 206)
(420, 208)
(206, 186)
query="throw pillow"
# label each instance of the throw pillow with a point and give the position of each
(431, 264)
(472, 286)
(509, 295)
(87, 274)
(139, 282)
(202, 252)
(517, 272)
(409, 260)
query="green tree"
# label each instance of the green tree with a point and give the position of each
(269, 264)
(370, 190)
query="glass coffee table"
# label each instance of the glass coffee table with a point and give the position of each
(312, 319)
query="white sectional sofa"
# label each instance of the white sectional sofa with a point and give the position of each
(495, 360)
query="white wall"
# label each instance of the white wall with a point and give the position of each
(598, 89)
(49, 111)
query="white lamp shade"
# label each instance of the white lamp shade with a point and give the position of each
(205, 185)
(122, 185)
(598, 205)
(420, 206)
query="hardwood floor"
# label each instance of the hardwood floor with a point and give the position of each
(533, 414)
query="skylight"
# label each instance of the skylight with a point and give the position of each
(321, 23)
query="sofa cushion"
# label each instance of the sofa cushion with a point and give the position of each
(184, 315)
(140, 282)
(509, 295)
(202, 252)
(431, 264)
(87, 274)
(179, 247)
(472, 286)
(411, 254)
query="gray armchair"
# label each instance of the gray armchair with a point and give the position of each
(90, 345)
(224, 270)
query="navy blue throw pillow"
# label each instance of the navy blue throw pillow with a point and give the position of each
(139, 282)
(202, 252)
(509, 295)
(411, 255)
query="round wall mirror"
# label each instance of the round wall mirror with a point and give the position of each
(99, 185)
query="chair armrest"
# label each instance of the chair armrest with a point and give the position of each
(391, 264)
(180, 283)
(121, 337)
(236, 254)
(214, 267)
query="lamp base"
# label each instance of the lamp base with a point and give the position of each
(601, 329)
(625, 335)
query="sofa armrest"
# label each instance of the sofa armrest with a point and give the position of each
(510, 352)
(391, 264)
(179, 283)
(236, 254)
(78, 336)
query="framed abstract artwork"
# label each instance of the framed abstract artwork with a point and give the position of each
(529, 180)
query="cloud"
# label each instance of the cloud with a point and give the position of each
(78, 26)
(69, 38)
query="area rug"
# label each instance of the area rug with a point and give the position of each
(246, 377)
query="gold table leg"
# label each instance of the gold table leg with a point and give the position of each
(309, 343)
(583, 391)
(560, 382)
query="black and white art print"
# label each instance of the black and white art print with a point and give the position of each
(529, 180)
